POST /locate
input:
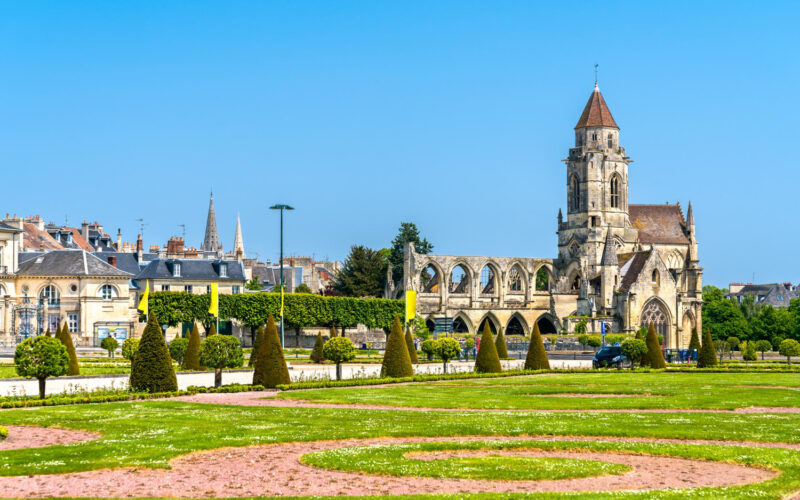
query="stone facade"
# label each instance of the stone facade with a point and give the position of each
(619, 264)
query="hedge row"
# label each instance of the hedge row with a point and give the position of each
(253, 309)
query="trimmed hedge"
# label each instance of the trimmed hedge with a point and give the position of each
(487, 360)
(536, 359)
(151, 370)
(396, 359)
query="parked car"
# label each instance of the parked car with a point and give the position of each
(608, 356)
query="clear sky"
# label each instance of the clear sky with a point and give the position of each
(453, 115)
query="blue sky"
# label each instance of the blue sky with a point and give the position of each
(453, 115)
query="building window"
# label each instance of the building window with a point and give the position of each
(50, 295)
(53, 322)
(594, 137)
(235, 288)
(108, 292)
(655, 277)
(208, 289)
(574, 194)
(610, 141)
(223, 270)
(72, 322)
(176, 269)
(594, 221)
(165, 288)
(615, 192)
(187, 288)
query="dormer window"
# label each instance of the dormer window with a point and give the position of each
(223, 270)
(176, 269)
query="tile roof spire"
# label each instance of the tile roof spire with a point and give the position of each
(211, 241)
(596, 112)
(238, 242)
(609, 251)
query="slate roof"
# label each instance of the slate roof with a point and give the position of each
(126, 261)
(632, 268)
(191, 269)
(774, 294)
(596, 112)
(659, 224)
(9, 229)
(66, 263)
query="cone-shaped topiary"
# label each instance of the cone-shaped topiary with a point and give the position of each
(48, 332)
(212, 331)
(191, 358)
(708, 355)
(66, 339)
(487, 361)
(151, 369)
(537, 356)
(334, 333)
(500, 344)
(270, 367)
(654, 356)
(639, 334)
(694, 342)
(396, 360)
(412, 351)
(256, 344)
(316, 353)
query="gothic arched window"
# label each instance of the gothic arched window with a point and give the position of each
(653, 312)
(574, 193)
(655, 277)
(615, 201)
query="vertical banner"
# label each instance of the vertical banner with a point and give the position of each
(411, 305)
(143, 302)
(603, 329)
(213, 308)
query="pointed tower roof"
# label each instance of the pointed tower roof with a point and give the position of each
(690, 215)
(238, 242)
(211, 241)
(596, 113)
(609, 251)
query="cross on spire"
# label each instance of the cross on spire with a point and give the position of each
(595, 74)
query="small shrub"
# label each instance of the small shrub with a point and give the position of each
(191, 358)
(749, 351)
(733, 342)
(447, 348)
(634, 350)
(41, 357)
(789, 348)
(129, 348)
(615, 338)
(429, 348)
(487, 360)
(110, 344)
(4, 430)
(396, 359)
(583, 340)
(594, 341)
(500, 345)
(317, 354)
(221, 351)
(177, 348)
(536, 358)
(339, 350)
(151, 370)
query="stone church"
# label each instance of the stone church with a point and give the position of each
(622, 264)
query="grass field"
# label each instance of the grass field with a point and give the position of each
(151, 433)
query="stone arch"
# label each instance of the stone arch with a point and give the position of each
(490, 279)
(615, 191)
(656, 311)
(430, 278)
(516, 325)
(547, 324)
(516, 279)
(674, 260)
(688, 324)
(543, 278)
(429, 324)
(462, 324)
(494, 324)
(574, 194)
(459, 278)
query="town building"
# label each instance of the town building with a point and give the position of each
(773, 294)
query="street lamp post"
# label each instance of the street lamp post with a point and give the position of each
(281, 207)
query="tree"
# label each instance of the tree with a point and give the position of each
(634, 350)
(302, 288)
(412, 350)
(500, 344)
(583, 340)
(339, 350)
(763, 346)
(41, 357)
(421, 329)
(363, 273)
(396, 359)
(221, 351)
(270, 368)
(254, 284)
(725, 319)
(177, 349)
(722, 348)
(537, 356)
(129, 348)
(749, 351)
(446, 348)
(789, 348)
(734, 342)
(580, 327)
(487, 360)
(708, 356)
(66, 338)
(408, 233)
(429, 348)
(191, 358)
(151, 370)
(654, 357)
(771, 322)
(110, 344)
(317, 354)
(694, 342)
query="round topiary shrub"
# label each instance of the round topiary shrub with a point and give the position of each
(221, 351)
(429, 348)
(339, 350)
(447, 348)
(151, 370)
(129, 348)
(634, 350)
(41, 357)
(177, 348)
(110, 344)
(789, 348)
(594, 341)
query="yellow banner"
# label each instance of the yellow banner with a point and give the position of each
(411, 305)
(143, 302)
(213, 308)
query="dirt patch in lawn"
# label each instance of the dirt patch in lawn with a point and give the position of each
(29, 436)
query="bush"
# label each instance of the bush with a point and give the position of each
(447, 348)
(580, 328)
(110, 344)
(583, 340)
(429, 348)
(500, 345)
(412, 351)
(4, 430)
(763, 346)
(487, 360)
(694, 342)
(317, 354)
(537, 356)
(191, 358)
(708, 355)
(41, 357)
(615, 338)
(129, 348)
(339, 350)
(256, 343)
(634, 350)
(654, 357)
(396, 360)
(66, 338)
(221, 351)
(789, 348)
(151, 370)
(177, 348)
(270, 366)
(594, 341)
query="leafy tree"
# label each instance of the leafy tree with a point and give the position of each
(634, 350)
(151, 370)
(363, 273)
(708, 356)
(542, 279)
(408, 233)
(722, 348)
(447, 348)
(412, 351)
(725, 319)
(654, 357)
(713, 294)
(66, 338)
(317, 355)
(749, 307)
(270, 367)
(749, 351)
(694, 342)
(733, 343)
(110, 344)
(487, 360)
(339, 350)
(177, 348)
(763, 346)
(421, 329)
(429, 348)
(594, 341)
(500, 345)
(41, 357)
(191, 358)
(396, 359)
(254, 284)
(789, 348)
(129, 348)
(302, 288)
(583, 340)
(221, 351)
(537, 356)
(771, 322)
(580, 328)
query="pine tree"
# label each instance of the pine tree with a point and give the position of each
(316, 353)
(537, 356)
(396, 360)
(500, 344)
(64, 336)
(694, 342)
(151, 370)
(654, 356)
(191, 358)
(270, 368)
(256, 343)
(487, 360)
(412, 351)
(708, 355)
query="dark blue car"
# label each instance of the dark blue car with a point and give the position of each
(608, 356)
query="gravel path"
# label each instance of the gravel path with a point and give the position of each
(28, 436)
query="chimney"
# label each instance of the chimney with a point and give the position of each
(119, 240)
(139, 245)
(85, 230)
(112, 259)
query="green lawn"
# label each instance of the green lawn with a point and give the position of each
(641, 391)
